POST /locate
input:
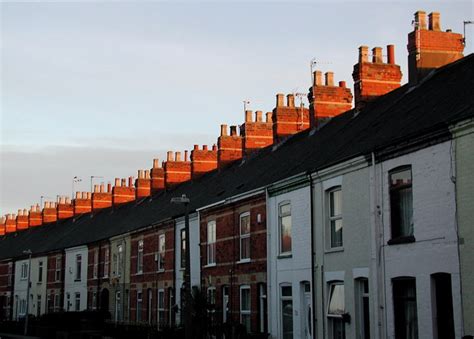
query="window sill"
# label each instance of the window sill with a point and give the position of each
(334, 250)
(77, 280)
(401, 240)
(285, 256)
(210, 265)
(243, 261)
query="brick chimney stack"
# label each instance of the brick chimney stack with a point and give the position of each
(2, 225)
(176, 169)
(10, 224)
(101, 198)
(35, 216)
(143, 184)
(82, 203)
(229, 146)
(50, 213)
(65, 208)
(256, 133)
(374, 78)
(157, 174)
(22, 222)
(429, 47)
(203, 160)
(121, 193)
(326, 100)
(289, 119)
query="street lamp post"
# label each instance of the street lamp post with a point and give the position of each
(187, 270)
(27, 252)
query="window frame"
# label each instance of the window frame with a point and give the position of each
(397, 299)
(396, 232)
(140, 247)
(95, 265)
(244, 236)
(77, 301)
(161, 308)
(334, 319)
(286, 298)
(334, 218)
(78, 272)
(24, 271)
(247, 312)
(183, 248)
(161, 252)
(40, 271)
(58, 267)
(139, 306)
(211, 243)
(282, 215)
(105, 273)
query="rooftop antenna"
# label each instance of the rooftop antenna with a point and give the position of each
(465, 23)
(300, 96)
(246, 102)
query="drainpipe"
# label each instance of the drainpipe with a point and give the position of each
(313, 253)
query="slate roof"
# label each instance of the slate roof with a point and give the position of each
(442, 99)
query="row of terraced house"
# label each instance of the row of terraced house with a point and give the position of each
(331, 221)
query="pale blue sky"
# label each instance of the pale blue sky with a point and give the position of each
(101, 88)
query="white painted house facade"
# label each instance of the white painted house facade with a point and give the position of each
(37, 298)
(75, 280)
(289, 262)
(416, 195)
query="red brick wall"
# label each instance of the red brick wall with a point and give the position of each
(177, 172)
(227, 271)
(230, 147)
(22, 222)
(257, 133)
(65, 211)
(203, 160)
(35, 219)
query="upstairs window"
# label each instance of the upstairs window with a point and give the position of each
(335, 217)
(106, 263)
(10, 274)
(161, 252)
(284, 217)
(57, 272)
(78, 267)
(24, 271)
(245, 236)
(401, 203)
(119, 260)
(211, 242)
(140, 257)
(40, 272)
(183, 248)
(95, 267)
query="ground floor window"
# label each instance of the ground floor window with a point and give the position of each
(336, 310)
(139, 305)
(405, 309)
(245, 307)
(286, 298)
(442, 305)
(77, 301)
(161, 308)
(362, 308)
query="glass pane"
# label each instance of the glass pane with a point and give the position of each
(245, 299)
(338, 329)
(246, 321)
(400, 178)
(336, 301)
(287, 318)
(286, 234)
(285, 209)
(336, 233)
(245, 248)
(335, 203)
(286, 291)
(245, 224)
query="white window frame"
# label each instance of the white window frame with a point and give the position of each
(57, 271)
(139, 310)
(244, 236)
(161, 252)
(286, 298)
(118, 268)
(94, 300)
(243, 312)
(211, 243)
(24, 271)
(183, 248)
(95, 266)
(77, 301)
(335, 317)
(10, 275)
(334, 218)
(106, 263)
(161, 308)
(282, 215)
(140, 247)
(359, 284)
(40, 271)
(78, 272)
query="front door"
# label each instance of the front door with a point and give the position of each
(225, 304)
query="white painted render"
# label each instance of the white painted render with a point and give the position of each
(72, 285)
(195, 257)
(435, 249)
(37, 287)
(292, 270)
